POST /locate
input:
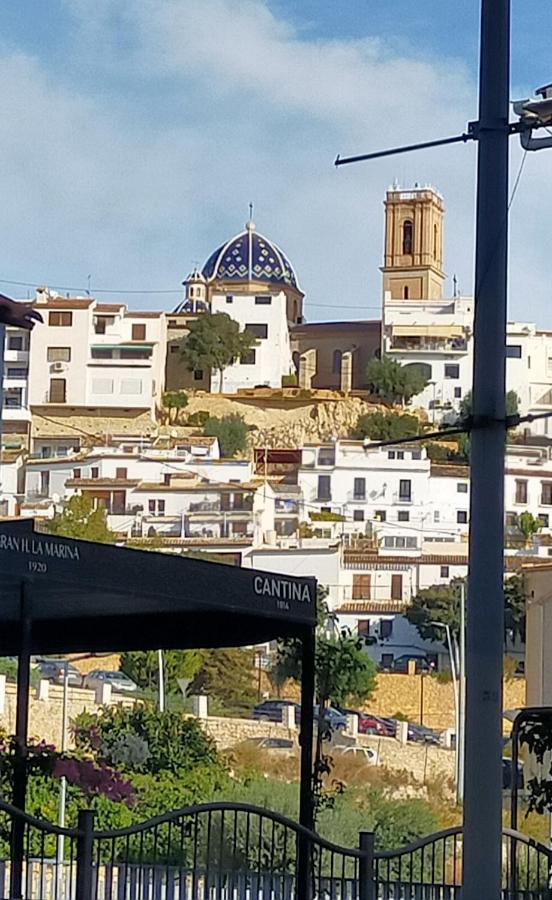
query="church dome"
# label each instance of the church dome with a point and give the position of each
(249, 257)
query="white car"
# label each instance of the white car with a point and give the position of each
(119, 682)
(367, 754)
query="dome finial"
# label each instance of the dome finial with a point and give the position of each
(250, 224)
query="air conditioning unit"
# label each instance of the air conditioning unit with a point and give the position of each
(58, 367)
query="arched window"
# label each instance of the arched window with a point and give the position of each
(336, 362)
(435, 241)
(408, 229)
(405, 292)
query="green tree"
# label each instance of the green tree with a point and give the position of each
(528, 524)
(441, 603)
(466, 409)
(231, 432)
(227, 675)
(143, 666)
(79, 519)
(394, 382)
(214, 341)
(174, 401)
(382, 426)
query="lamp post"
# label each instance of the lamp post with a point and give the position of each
(454, 673)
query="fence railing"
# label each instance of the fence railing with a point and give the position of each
(230, 851)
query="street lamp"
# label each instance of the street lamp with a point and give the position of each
(456, 694)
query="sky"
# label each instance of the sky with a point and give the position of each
(135, 133)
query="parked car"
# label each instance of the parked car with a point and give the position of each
(272, 744)
(507, 774)
(367, 724)
(366, 754)
(422, 735)
(272, 710)
(53, 670)
(119, 682)
(423, 664)
(336, 720)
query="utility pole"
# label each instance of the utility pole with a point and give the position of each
(461, 736)
(482, 842)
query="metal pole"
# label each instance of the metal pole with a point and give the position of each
(21, 737)
(85, 855)
(161, 676)
(63, 780)
(306, 817)
(456, 701)
(461, 735)
(482, 839)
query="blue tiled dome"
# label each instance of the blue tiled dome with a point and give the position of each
(249, 257)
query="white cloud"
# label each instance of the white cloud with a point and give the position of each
(142, 153)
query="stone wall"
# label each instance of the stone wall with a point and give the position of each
(228, 732)
(45, 709)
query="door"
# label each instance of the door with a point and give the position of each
(396, 587)
(361, 587)
(58, 388)
(118, 503)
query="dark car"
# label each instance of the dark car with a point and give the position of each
(336, 719)
(53, 670)
(423, 664)
(422, 735)
(273, 710)
(507, 770)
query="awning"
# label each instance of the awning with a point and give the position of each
(137, 346)
(447, 331)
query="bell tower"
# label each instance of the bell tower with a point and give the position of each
(413, 257)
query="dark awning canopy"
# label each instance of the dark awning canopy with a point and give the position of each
(88, 596)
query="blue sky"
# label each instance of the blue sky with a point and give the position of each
(135, 133)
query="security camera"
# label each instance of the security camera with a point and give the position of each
(535, 114)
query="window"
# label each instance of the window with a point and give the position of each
(416, 454)
(380, 515)
(16, 372)
(58, 354)
(161, 507)
(400, 543)
(400, 454)
(229, 298)
(386, 661)
(336, 362)
(462, 516)
(175, 348)
(513, 351)
(444, 571)
(131, 386)
(139, 332)
(135, 353)
(60, 319)
(396, 587)
(263, 300)
(403, 515)
(452, 370)
(462, 487)
(94, 472)
(363, 627)
(102, 385)
(405, 490)
(198, 374)
(391, 454)
(156, 507)
(359, 489)
(408, 230)
(166, 478)
(457, 393)
(259, 329)
(521, 490)
(248, 358)
(58, 387)
(101, 353)
(405, 293)
(13, 398)
(173, 323)
(546, 493)
(44, 483)
(15, 342)
(76, 473)
(324, 487)
(100, 325)
(385, 629)
(437, 515)
(510, 519)
(544, 519)
(361, 587)
(120, 473)
(358, 515)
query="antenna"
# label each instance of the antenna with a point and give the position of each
(88, 277)
(454, 285)
(250, 212)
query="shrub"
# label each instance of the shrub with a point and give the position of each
(198, 418)
(231, 432)
(379, 426)
(289, 380)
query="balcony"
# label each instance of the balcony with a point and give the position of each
(204, 506)
(403, 499)
(412, 345)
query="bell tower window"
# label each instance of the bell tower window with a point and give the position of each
(407, 237)
(405, 293)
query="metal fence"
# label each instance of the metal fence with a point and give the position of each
(229, 851)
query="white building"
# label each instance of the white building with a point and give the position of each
(250, 279)
(89, 354)
(422, 328)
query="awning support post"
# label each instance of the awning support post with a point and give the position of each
(21, 737)
(306, 809)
